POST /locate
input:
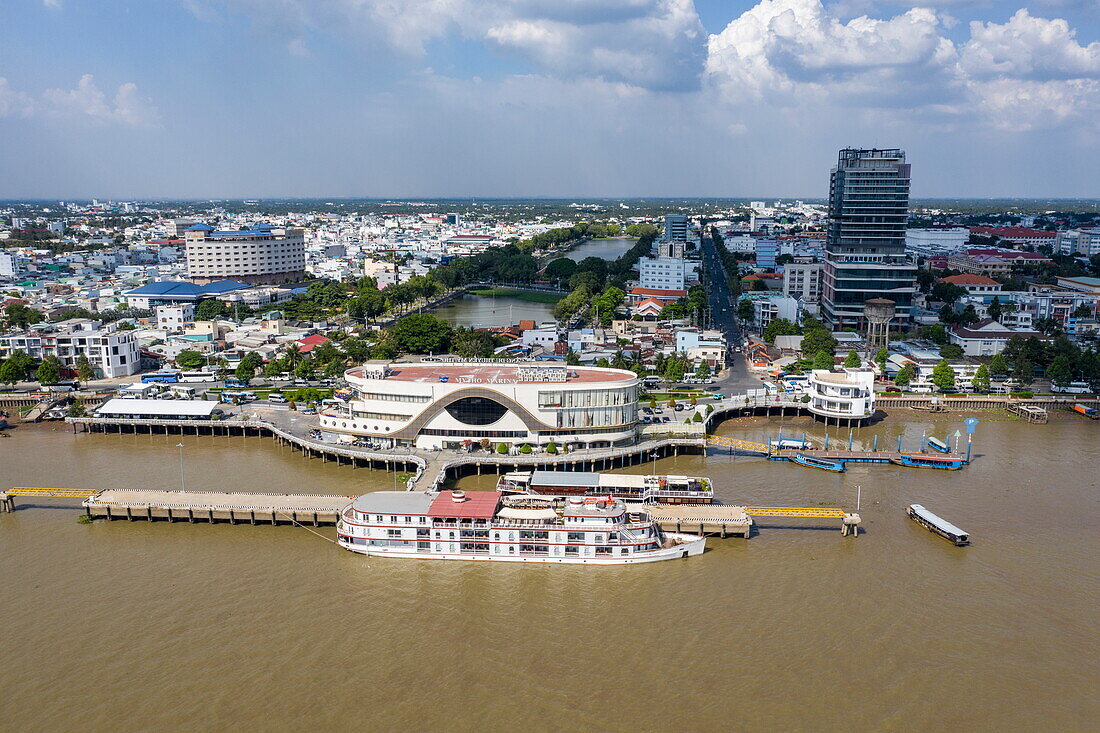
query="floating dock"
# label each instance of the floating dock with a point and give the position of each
(725, 519)
(194, 506)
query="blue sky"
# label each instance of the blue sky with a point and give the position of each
(433, 98)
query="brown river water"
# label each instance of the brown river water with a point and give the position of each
(138, 626)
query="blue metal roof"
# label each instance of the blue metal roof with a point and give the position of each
(223, 286)
(199, 228)
(172, 288)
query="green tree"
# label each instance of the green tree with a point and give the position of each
(551, 448)
(905, 375)
(49, 371)
(980, 380)
(881, 357)
(943, 376)
(20, 316)
(11, 371)
(502, 449)
(472, 343)
(275, 367)
(745, 310)
(190, 359)
(852, 361)
(305, 370)
(818, 339)
(936, 333)
(823, 360)
(76, 409)
(952, 351)
(703, 370)
(995, 310)
(245, 371)
(779, 327)
(1060, 372)
(947, 292)
(84, 370)
(421, 333)
(211, 309)
(997, 365)
(1023, 373)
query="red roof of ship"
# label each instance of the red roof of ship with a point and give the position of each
(478, 505)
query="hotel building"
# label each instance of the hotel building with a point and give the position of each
(259, 255)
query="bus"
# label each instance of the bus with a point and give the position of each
(198, 376)
(166, 376)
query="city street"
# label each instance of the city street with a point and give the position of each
(737, 378)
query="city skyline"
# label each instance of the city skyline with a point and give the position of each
(613, 99)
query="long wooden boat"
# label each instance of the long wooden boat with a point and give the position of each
(923, 460)
(823, 463)
(937, 525)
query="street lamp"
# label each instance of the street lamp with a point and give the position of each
(180, 446)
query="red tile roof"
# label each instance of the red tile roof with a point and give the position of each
(968, 279)
(309, 343)
(478, 505)
(1013, 232)
(658, 292)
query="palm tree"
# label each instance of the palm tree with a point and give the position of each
(293, 355)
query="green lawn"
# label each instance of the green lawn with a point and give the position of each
(529, 296)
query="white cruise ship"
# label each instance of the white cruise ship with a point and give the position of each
(485, 525)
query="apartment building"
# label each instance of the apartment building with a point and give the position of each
(111, 352)
(803, 281)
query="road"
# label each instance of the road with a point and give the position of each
(737, 378)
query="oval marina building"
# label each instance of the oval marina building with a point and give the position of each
(435, 405)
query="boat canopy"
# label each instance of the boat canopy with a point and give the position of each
(938, 521)
(528, 514)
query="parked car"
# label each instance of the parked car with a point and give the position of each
(278, 399)
(679, 407)
(892, 388)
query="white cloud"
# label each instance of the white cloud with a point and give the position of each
(1024, 74)
(127, 107)
(14, 103)
(656, 44)
(1030, 48)
(52, 3)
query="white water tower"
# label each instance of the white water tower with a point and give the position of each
(878, 312)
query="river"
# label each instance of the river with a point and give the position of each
(138, 626)
(484, 311)
(605, 249)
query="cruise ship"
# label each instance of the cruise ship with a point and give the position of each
(487, 525)
(624, 486)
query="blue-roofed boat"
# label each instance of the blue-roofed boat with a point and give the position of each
(937, 525)
(938, 445)
(791, 444)
(823, 463)
(923, 460)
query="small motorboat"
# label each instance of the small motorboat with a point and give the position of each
(938, 445)
(823, 463)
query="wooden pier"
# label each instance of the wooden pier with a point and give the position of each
(1032, 413)
(194, 506)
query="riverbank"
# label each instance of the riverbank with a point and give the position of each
(526, 296)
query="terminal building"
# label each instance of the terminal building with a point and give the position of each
(437, 405)
(259, 255)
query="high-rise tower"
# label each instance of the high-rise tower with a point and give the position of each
(865, 245)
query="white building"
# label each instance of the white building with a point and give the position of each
(987, 337)
(172, 317)
(803, 281)
(437, 405)
(7, 264)
(111, 352)
(662, 273)
(767, 309)
(261, 255)
(846, 395)
(1084, 242)
(938, 239)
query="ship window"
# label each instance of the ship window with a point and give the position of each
(572, 550)
(476, 410)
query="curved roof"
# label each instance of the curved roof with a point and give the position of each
(199, 228)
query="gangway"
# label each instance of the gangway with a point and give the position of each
(747, 446)
(7, 498)
(796, 511)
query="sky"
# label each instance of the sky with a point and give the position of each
(543, 98)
